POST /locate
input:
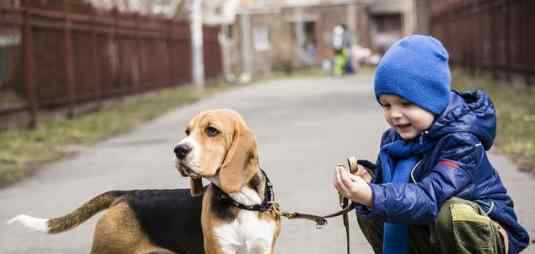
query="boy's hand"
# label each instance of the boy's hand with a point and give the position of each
(353, 186)
(363, 173)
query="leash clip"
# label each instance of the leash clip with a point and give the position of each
(274, 208)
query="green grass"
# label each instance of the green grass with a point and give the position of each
(24, 150)
(515, 106)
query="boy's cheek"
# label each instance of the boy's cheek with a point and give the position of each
(409, 134)
(389, 121)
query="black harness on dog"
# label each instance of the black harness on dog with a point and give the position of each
(267, 203)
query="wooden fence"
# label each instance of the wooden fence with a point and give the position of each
(71, 54)
(488, 35)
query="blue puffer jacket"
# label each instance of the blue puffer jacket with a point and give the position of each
(463, 132)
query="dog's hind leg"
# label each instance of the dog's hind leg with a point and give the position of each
(118, 231)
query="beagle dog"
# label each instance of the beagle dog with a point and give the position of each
(234, 214)
(221, 148)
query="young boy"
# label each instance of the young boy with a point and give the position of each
(434, 189)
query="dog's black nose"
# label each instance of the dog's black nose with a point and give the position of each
(181, 151)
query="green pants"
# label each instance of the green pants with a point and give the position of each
(340, 61)
(461, 227)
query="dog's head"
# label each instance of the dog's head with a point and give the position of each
(218, 145)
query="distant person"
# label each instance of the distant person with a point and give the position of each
(433, 189)
(341, 47)
(347, 44)
(310, 49)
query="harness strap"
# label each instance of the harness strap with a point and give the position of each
(267, 203)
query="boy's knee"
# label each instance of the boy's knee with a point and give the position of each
(462, 225)
(457, 210)
(443, 222)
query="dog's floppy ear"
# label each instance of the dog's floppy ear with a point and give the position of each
(241, 161)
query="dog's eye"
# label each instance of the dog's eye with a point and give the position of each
(187, 131)
(211, 131)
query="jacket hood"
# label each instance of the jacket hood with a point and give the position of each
(471, 112)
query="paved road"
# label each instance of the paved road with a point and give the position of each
(303, 127)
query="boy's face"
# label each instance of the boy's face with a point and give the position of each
(406, 118)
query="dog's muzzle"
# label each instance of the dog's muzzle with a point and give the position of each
(182, 150)
(186, 171)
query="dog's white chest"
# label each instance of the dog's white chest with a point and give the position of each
(247, 234)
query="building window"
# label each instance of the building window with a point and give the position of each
(263, 3)
(388, 23)
(262, 40)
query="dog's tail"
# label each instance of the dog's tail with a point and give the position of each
(73, 219)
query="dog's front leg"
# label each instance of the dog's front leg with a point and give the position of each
(222, 250)
(258, 246)
(221, 244)
(228, 249)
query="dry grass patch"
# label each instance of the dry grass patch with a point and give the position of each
(24, 150)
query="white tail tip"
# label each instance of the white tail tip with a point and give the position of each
(33, 223)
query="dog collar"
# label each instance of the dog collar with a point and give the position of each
(267, 203)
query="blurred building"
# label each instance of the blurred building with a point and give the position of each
(284, 34)
(392, 19)
(259, 36)
(269, 35)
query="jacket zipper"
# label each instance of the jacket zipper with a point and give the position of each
(414, 168)
(421, 138)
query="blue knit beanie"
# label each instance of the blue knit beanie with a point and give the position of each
(416, 69)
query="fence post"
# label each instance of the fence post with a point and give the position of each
(115, 35)
(476, 25)
(139, 52)
(197, 54)
(69, 64)
(170, 62)
(508, 40)
(493, 42)
(28, 67)
(96, 67)
(526, 15)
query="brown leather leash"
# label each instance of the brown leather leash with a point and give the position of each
(322, 220)
(352, 163)
(270, 205)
